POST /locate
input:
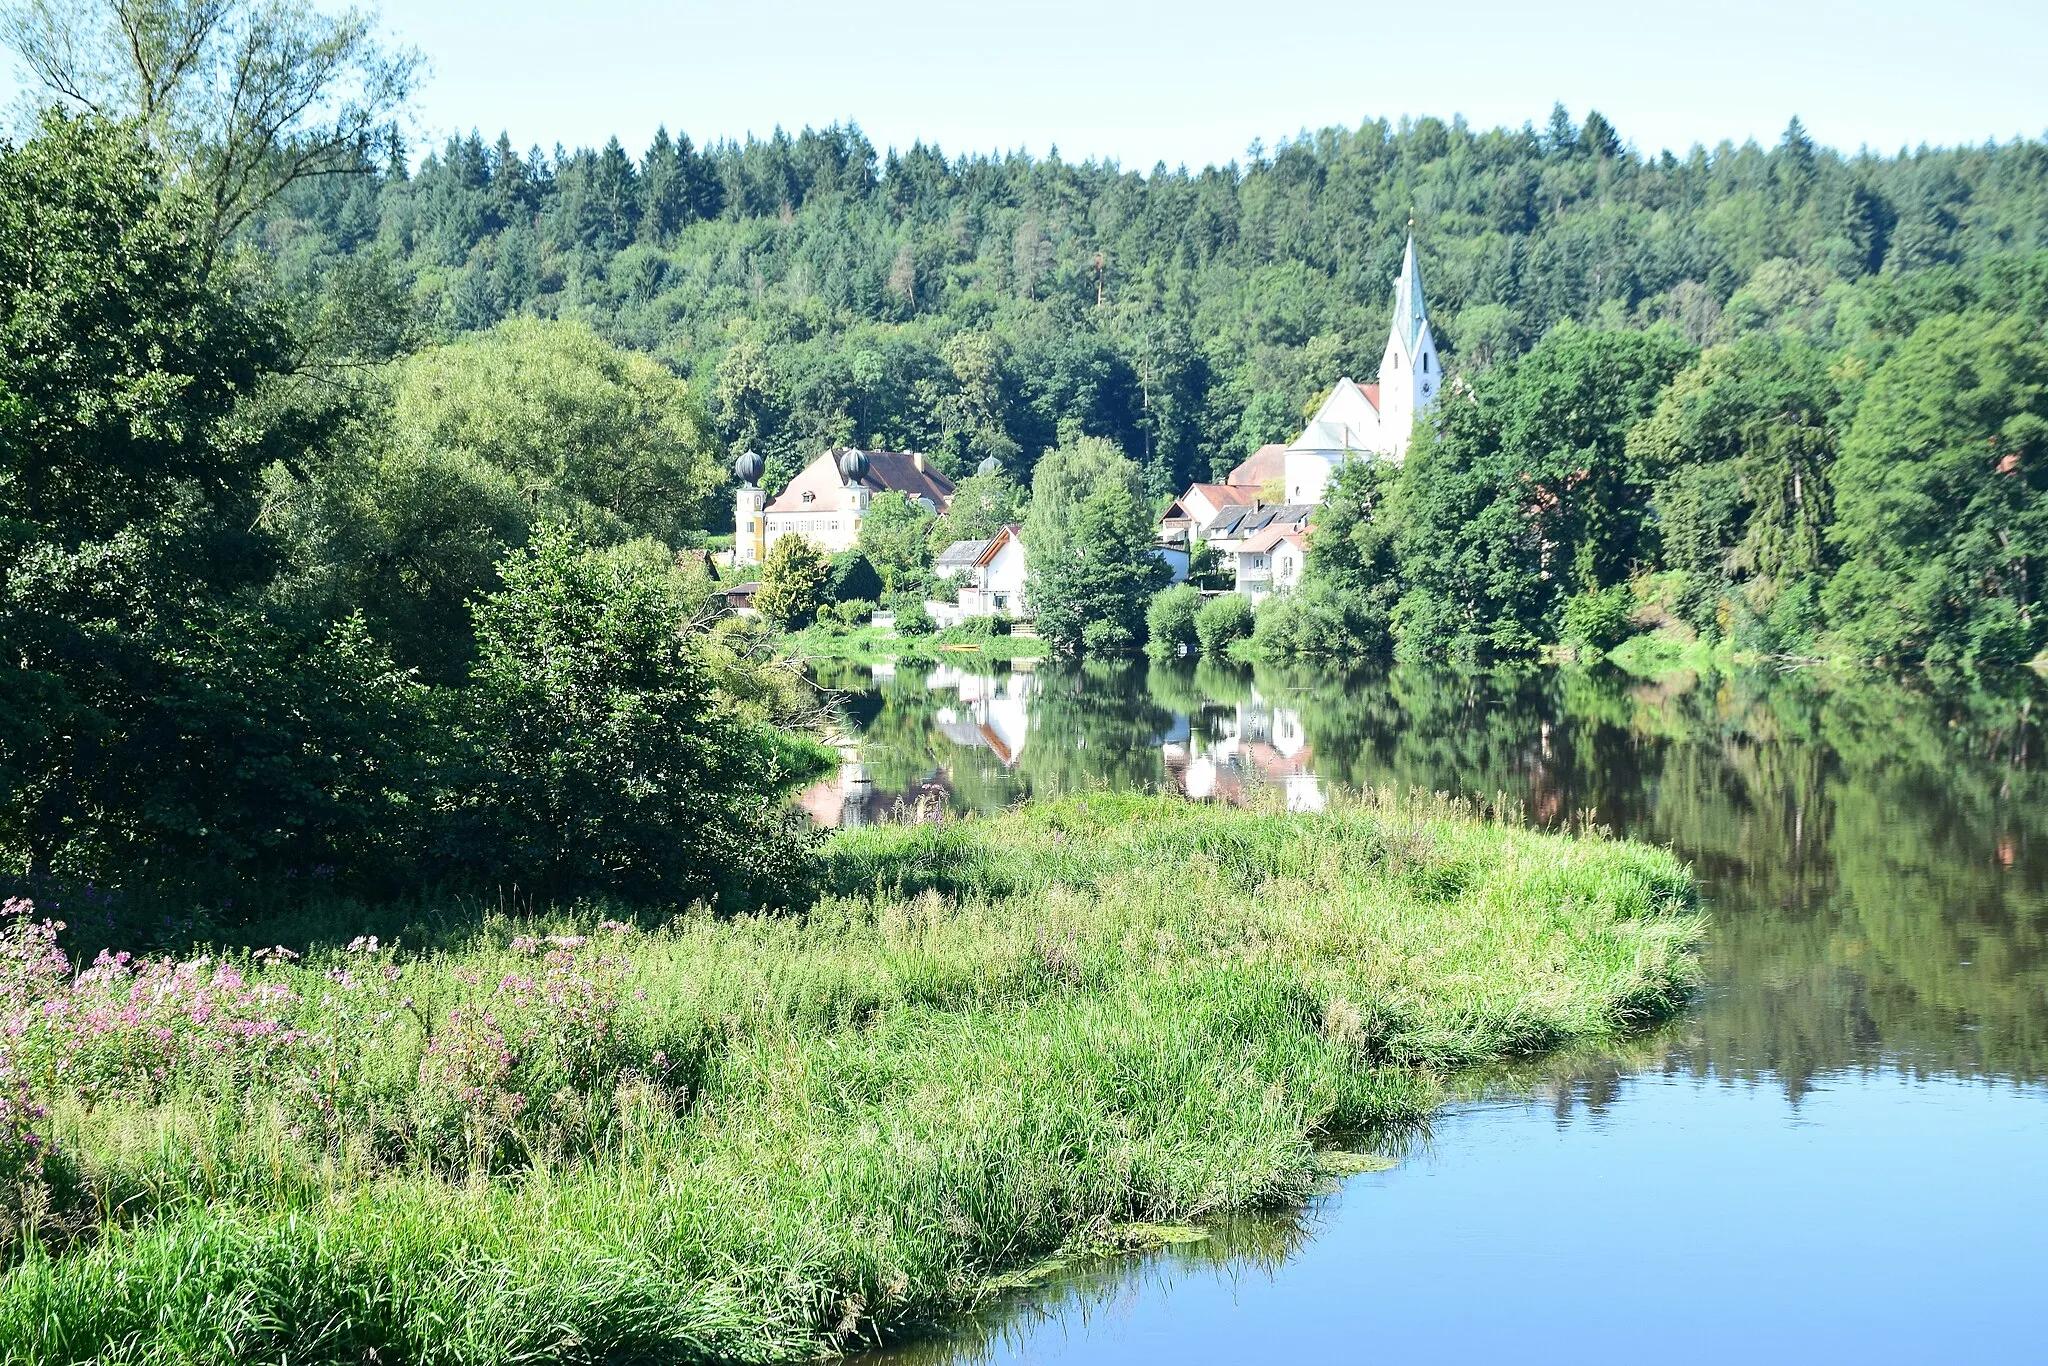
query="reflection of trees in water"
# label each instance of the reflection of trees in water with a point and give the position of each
(1876, 856)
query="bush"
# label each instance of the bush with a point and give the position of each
(912, 619)
(856, 611)
(1170, 621)
(793, 583)
(852, 577)
(1595, 623)
(1223, 620)
(587, 681)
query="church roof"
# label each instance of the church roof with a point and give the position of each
(1349, 420)
(1411, 315)
(888, 471)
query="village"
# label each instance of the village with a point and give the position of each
(1252, 527)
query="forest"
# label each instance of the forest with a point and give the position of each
(1726, 311)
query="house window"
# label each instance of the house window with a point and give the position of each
(1425, 362)
(1002, 602)
(810, 497)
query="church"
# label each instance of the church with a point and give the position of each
(1375, 419)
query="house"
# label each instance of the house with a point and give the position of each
(991, 574)
(1238, 526)
(826, 502)
(740, 596)
(1271, 561)
(1191, 515)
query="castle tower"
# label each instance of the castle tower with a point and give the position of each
(1410, 371)
(750, 512)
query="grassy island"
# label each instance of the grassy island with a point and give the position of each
(767, 1138)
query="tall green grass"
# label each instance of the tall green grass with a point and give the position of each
(774, 1137)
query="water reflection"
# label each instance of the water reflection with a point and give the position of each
(1876, 856)
(1855, 1098)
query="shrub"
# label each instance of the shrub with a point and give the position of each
(1223, 620)
(1595, 623)
(793, 583)
(912, 619)
(852, 577)
(1170, 621)
(856, 611)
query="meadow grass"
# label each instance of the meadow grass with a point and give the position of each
(767, 1138)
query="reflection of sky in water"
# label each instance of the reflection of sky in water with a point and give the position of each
(1841, 1151)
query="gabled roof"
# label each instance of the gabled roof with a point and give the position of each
(1273, 536)
(888, 472)
(974, 554)
(1241, 522)
(1349, 420)
(1268, 462)
(960, 555)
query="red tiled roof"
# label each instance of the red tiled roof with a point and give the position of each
(1269, 462)
(888, 471)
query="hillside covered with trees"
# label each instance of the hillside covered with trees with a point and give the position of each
(817, 290)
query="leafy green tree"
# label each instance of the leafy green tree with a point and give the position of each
(1344, 606)
(1170, 621)
(983, 504)
(242, 98)
(1942, 494)
(1742, 447)
(604, 438)
(896, 535)
(1526, 492)
(793, 583)
(1064, 480)
(605, 759)
(1091, 596)
(1222, 622)
(852, 578)
(156, 723)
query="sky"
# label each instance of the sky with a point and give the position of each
(1197, 82)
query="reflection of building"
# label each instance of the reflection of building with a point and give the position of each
(1251, 747)
(994, 711)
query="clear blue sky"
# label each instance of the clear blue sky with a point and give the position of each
(1196, 81)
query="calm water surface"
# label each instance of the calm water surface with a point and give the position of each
(1840, 1153)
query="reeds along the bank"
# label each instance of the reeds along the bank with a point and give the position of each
(760, 1138)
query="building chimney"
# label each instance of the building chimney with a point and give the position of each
(918, 458)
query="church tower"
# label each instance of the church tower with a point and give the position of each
(1410, 371)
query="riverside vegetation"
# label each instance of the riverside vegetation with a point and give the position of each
(763, 1137)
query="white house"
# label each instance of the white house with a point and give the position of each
(1271, 561)
(1195, 511)
(1373, 419)
(991, 574)
(825, 503)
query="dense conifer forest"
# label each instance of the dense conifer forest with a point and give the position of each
(817, 290)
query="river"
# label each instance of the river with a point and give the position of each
(1838, 1153)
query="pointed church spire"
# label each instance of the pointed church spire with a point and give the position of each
(1410, 313)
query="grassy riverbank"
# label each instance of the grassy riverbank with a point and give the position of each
(869, 644)
(766, 1138)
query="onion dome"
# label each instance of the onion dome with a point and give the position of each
(748, 467)
(989, 465)
(853, 465)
